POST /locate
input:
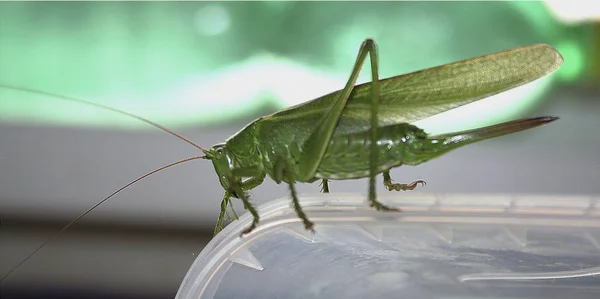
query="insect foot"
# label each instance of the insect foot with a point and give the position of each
(308, 225)
(249, 229)
(381, 207)
(403, 187)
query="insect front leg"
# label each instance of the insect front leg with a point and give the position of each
(243, 196)
(238, 189)
(228, 204)
(249, 184)
(224, 203)
(387, 181)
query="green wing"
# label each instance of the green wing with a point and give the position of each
(414, 96)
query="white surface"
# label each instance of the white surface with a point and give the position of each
(440, 246)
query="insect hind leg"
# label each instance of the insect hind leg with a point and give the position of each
(370, 47)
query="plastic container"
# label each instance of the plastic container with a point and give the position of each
(458, 246)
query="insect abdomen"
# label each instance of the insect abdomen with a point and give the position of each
(347, 156)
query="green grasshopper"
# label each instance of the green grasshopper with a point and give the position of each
(363, 130)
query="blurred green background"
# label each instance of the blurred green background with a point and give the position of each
(181, 63)
(208, 68)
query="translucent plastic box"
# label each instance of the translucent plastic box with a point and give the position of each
(452, 246)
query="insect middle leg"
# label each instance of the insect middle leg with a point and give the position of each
(284, 172)
(239, 190)
(387, 181)
(298, 208)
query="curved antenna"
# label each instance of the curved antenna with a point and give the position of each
(95, 206)
(106, 108)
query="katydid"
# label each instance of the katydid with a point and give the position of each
(362, 130)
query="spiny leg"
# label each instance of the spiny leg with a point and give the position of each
(219, 225)
(248, 206)
(224, 204)
(238, 189)
(387, 181)
(257, 178)
(308, 225)
(281, 170)
(324, 186)
(233, 210)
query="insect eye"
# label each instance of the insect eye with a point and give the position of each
(219, 151)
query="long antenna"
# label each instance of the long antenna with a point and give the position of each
(106, 108)
(120, 189)
(95, 206)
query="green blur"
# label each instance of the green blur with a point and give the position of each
(199, 63)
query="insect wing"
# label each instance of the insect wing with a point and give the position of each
(415, 96)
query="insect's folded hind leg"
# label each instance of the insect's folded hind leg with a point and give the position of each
(387, 181)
